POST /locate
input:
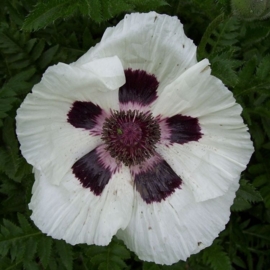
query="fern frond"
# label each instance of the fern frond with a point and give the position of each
(201, 51)
(255, 33)
(246, 72)
(221, 34)
(224, 67)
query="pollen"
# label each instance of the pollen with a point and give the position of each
(131, 136)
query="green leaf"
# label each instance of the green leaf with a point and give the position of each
(254, 36)
(6, 105)
(148, 5)
(263, 70)
(47, 56)
(10, 154)
(225, 68)
(257, 134)
(38, 50)
(65, 253)
(266, 125)
(240, 204)
(256, 169)
(260, 231)
(221, 36)
(248, 192)
(201, 51)
(24, 223)
(247, 71)
(265, 192)
(44, 250)
(93, 9)
(15, 15)
(239, 262)
(151, 266)
(6, 263)
(31, 265)
(15, 200)
(20, 242)
(30, 250)
(46, 12)
(112, 256)
(246, 195)
(216, 258)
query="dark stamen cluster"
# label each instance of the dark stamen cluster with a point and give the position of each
(130, 136)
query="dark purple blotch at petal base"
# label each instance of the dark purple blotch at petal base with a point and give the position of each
(140, 87)
(83, 114)
(184, 129)
(91, 173)
(157, 182)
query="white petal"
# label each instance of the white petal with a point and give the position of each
(47, 140)
(73, 213)
(151, 42)
(174, 229)
(109, 70)
(208, 166)
(198, 94)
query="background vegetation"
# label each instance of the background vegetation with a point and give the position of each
(235, 36)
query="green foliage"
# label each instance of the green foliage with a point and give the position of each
(44, 250)
(216, 258)
(65, 252)
(251, 9)
(47, 12)
(245, 196)
(220, 44)
(37, 34)
(18, 241)
(110, 257)
(27, 248)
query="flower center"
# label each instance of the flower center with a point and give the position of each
(130, 136)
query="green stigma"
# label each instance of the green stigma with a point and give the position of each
(119, 131)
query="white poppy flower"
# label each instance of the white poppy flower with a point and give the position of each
(135, 139)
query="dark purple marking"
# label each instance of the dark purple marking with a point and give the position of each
(184, 129)
(91, 172)
(140, 87)
(157, 182)
(84, 114)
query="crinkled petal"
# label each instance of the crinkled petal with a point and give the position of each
(197, 93)
(49, 139)
(150, 42)
(73, 213)
(177, 227)
(109, 70)
(209, 164)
